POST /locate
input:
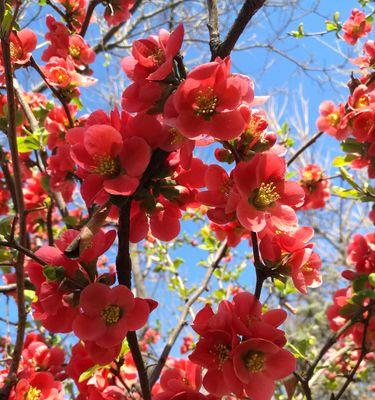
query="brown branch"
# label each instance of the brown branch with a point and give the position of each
(20, 275)
(182, 321)
(88, 16)
(304, 147)
(21, 249)
(56, 92)
(260, 268)
(124, 277)
(248, 10)
(213, 25)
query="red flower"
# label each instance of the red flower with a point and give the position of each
(330, 120)
(163, 220)
(258, 363)
(179, 381)
(316, 187)
(41, 386)
(63, 44)
(211, 102)
(356, 27)
(152, 58)
(111, 165)
(305, 265)
(107, 314)
(61, 73)
(361, 253)
(21, 44)
(264, 191)
(118, 11)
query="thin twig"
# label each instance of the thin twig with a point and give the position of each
(304, 147)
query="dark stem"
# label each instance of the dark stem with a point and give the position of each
(90, 11)
(248, 10)
(304, 147)
(260, 268)
(124, 277)
(213, 25)
(12, 139)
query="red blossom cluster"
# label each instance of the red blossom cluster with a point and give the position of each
(241, 349)
(353, 122)
(41, 371)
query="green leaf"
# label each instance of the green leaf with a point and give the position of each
(124, 350)
(371, 279)
(348, 310)
(89, 373)
(346, 193)
(27, 143)
(298, 33)
(331, 26)
(5, 226)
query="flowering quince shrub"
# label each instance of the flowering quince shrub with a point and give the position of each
(96, 202)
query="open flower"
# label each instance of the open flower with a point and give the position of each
(21, 44)
(258, 363)
(152, 58)
(110, 164)
(107, 314)
(211, 101)
(39, 386)
(356, 27)
(264, 191)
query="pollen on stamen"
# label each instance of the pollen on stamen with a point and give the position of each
(106, 165)
(206, 101)
(111, 314)
(33, 394)
(254, 361)
(265, 196)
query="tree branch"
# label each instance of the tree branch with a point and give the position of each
(304, 147)
(12, 139)
(248, 10)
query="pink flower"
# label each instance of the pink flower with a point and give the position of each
(263, 191)
(258, 363)
(211, 101)
(356, 27)
(107, 314)
(111, 165)
(152, 58)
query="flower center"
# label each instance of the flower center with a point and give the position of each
(33, 394)
(333, 118)
(226, 186)
(111, 314)
(157, 56)
(74, 51)
(60, 75)
(265, 196)
(106, 165)
(254, 361)
(306, 268)
(222, 353)
(362, 102)
(15, 51)
(206, 102)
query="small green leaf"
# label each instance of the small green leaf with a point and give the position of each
(27, 143)
(371, 279)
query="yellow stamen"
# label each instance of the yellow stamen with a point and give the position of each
(265, 196)
(254, 361)
(111, 314)
(206, 102)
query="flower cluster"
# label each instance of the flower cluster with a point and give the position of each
(353, 122)
(241, 348)
(41, 370)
